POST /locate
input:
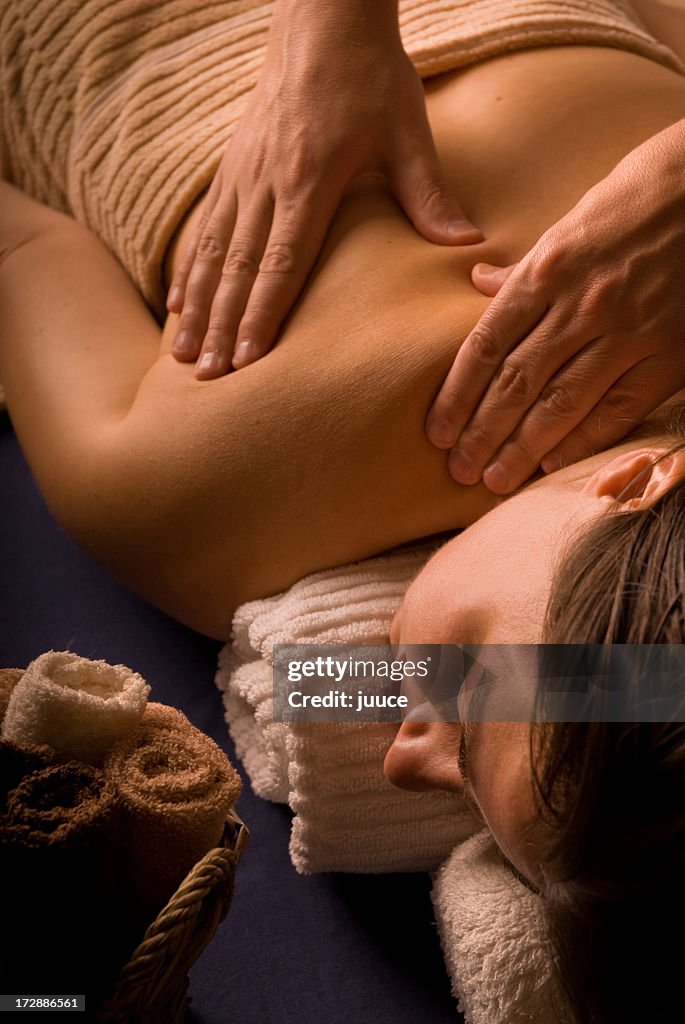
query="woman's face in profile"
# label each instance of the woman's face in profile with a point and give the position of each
(490, 585)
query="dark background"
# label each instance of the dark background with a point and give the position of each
(325, 948)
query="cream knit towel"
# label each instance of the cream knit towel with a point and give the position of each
(118, 110)
(348, 817)
(78, 707)
(494, 940)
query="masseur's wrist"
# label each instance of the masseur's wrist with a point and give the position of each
(660, 161)
(335, 23)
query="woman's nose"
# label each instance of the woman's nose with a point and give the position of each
(424, 756)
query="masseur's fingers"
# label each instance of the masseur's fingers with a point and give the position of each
(513, 314)
(565, 401)
(177, 291)
(633, 397)
(312, 128)
(421, 190)
(293, 245)
(489, 278)
(515, 387)
(236, 278)
(208, 251)
(608, 278)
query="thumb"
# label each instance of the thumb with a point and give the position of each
(488, 278)
(423, 194)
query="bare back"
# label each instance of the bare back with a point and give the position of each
(213, 493)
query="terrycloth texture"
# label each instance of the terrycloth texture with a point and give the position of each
(18, 762)
(118, 110)
(76, 706)
(348, 817)
(494, 940)
(58, 806)
(9, 677)
(175, 788)
(58, 854)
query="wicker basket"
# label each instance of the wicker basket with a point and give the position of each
(153, 985)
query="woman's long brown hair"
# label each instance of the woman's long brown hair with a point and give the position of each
(612, 794)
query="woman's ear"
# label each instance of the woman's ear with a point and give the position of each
(638, 478)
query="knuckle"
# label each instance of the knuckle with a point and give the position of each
(192, 315)
(220, 326)
(484, 346)
(560, 400)
(302, 169)
(257, 323)
(600, 297)
(476, 438)
(619, 404)
(293, 187)
(547, 261)
(430, 192)
(240, 262)
(452, 404)
(515, 382)
(279, 258)
(210, 248)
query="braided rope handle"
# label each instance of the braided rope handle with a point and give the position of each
(155, 976)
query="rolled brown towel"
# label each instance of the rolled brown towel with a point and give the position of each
(59, 876)
(18, 762)
(9, 677)
(175, 788)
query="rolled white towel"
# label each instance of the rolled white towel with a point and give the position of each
(348, 817)
(494, 940)
(260, 743)
(76, 706)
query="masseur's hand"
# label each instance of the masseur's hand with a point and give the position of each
(338, 100)
(586, 335)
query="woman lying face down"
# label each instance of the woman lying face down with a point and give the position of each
(202, 495)
(590, 815)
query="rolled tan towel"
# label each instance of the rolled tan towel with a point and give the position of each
(78, 707)
(175, 788)
(62, 926)
(9, 677)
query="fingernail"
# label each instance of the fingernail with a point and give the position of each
(461, 467)
(174, 297)
(209, 362)
(184, 343)
(460, 226)
(246, 352)
(441, 431)
(487, 269)
(496, 478)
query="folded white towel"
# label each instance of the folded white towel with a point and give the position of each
(76, 706)
(348, 817)
(494, 940)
